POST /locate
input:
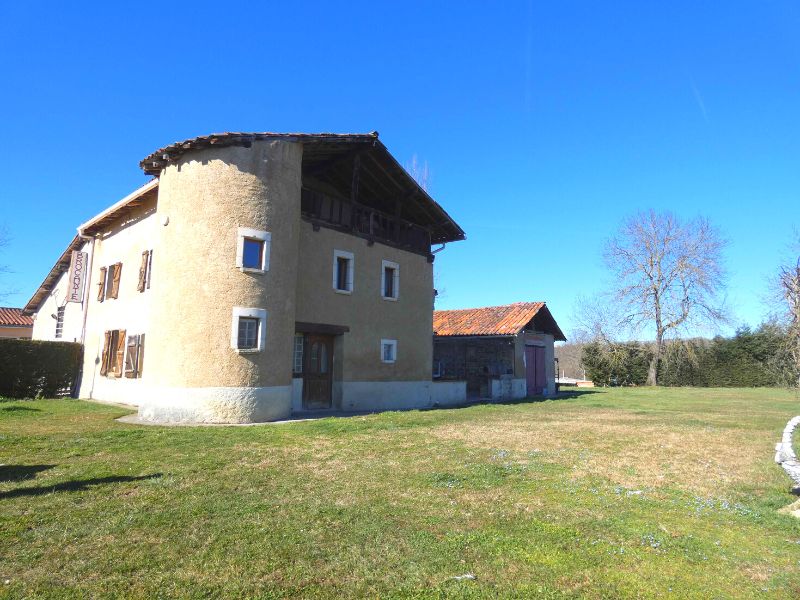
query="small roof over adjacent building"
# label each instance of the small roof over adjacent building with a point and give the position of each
(509, 319)
(13, 317)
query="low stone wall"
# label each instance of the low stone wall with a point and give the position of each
(785, 456)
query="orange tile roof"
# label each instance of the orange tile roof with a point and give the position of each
(490, 320)
(13, 317)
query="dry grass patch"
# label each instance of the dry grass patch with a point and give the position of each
(631, 450)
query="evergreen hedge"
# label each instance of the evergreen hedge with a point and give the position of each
(38, 369)
(751, 358)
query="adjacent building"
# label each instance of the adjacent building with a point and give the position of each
(502, 352)
(15, 324)
(255, 276)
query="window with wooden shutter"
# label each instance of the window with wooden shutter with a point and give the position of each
(120, 353)
(143, 271)
(101, 285)
(130, 356)
(104, 356)
(134, 356)
(116, 270)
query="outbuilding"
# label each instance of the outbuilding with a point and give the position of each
(502, 352)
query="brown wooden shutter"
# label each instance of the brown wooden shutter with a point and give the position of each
(104, 355)
(143, 271)
(117, 273)
(140, 359)
(101, 285)
(149, 267)
(118, 364)
(130, 356)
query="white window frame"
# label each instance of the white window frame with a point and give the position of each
(253, 234)
(252, 313)
(392, 343)
(351, 267)
(396, 287)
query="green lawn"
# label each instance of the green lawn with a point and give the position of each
(623, 493)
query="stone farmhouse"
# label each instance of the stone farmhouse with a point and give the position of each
(256, 276)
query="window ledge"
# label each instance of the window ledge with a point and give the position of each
(389, 298)
(388, 362)
(345, 292)
(247, 350)
(252, 270)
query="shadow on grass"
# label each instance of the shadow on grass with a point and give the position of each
(19, 409)
(74, 486)
(21, 472)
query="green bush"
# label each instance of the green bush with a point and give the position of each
(38, 369)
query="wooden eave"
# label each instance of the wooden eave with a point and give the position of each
(61, 266)
(120, 209)
(382, 183)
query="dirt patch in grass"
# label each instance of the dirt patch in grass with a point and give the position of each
(628, 449)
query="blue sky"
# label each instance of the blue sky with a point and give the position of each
(543, 123)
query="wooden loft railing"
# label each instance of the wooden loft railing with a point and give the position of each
(363, 221)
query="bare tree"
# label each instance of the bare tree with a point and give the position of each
(789, 291)
(668, 276)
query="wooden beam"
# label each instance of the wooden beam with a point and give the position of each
(323, 328)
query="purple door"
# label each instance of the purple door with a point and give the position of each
(535, 375)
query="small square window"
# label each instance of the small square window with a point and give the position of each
(252, 251)
(253, 254)
(388, 351)
(248, 333)
(248, 329)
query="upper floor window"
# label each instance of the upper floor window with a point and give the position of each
(144, 271)
(253, 249)
(343, 266)
(248, 329)
(390, 280)
(60, 321)
(108, 282)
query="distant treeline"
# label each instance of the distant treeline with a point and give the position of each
(751, 358)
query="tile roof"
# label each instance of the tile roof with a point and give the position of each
(509, 319)
(13, 317)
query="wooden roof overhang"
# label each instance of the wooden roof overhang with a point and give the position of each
(120, 210)
(61, 266)
(357, 166)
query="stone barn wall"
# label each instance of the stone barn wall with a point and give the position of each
(474, 360)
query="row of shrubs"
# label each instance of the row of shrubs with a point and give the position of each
(751, 358)
(38, 369)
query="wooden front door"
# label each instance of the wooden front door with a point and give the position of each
(535, 374)
(317, 371)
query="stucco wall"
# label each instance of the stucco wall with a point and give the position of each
(44, 325)
(124, 241)
(206, 197)
(409, 319)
